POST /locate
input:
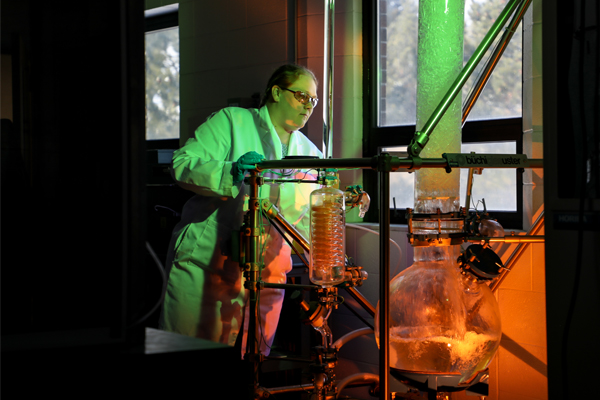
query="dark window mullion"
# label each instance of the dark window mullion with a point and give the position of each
(498, 130)
(163, 21)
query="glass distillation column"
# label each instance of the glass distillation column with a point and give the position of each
(327, 248)
(327, 234)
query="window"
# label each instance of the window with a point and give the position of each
(493, 126)
(485, 186)
(162, 73)
(397, 63)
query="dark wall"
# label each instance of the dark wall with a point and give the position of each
(73, 226)
(571, 195)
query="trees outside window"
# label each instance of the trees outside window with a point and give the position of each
(398, 63)
(494, 124)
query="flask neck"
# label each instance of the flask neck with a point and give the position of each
(448, 254)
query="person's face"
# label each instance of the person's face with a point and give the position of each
(295, 114)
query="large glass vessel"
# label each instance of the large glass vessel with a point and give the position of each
(441, 320)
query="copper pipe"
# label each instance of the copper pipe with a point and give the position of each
(493, 60)
(264, 393)
(469, 189)
(507, 239)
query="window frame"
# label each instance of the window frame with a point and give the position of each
(161, 18)
(375, 137)
(157, 19)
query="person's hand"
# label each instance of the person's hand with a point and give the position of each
(247, 161)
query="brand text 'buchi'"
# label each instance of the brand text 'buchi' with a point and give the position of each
(482, 160)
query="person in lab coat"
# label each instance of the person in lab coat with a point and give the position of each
(205, 296)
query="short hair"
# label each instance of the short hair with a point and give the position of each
(284, 77)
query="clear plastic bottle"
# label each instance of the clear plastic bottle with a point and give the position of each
(327, 236)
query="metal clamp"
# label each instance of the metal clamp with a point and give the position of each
(417, 163)
(450, 164)
(417, 143)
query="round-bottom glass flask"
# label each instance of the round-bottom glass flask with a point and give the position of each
(441, 321)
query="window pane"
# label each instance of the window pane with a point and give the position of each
(397, 69)
(501, 97)
(497, 187)
(162, 84)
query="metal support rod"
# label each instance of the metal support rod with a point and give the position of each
(368, 163)
(274, 215)
(384, 269)
(487, 71)
(253, 275)
(265, 393)
(539, 223)
(421, 138)
(301, 163)
(328, 78)
(288, 286)
(469, 189)
(396, 163)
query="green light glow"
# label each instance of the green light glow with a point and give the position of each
(440, 60)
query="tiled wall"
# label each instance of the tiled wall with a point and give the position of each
(520, 367)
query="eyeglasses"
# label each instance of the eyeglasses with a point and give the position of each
(304, 97)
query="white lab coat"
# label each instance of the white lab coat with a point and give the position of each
(205, 296)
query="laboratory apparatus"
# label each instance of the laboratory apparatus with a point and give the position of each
(327, 234)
